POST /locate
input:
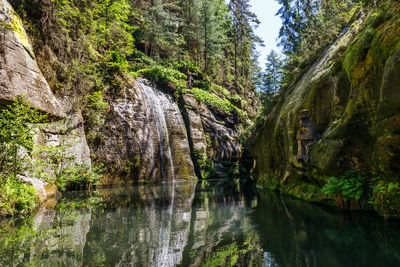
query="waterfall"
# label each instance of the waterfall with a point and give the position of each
(160, 104)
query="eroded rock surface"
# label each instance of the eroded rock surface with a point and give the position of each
(352, 96)
(212, 132)
(145, 134)
(20, 75)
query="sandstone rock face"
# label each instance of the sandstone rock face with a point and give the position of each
(211, 131)
(351, 93)
(19, 72)
(69, 134)
(44, 190)
(145, 131)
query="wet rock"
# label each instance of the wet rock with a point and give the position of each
(212, 132)
(145, 134)
(20, 75)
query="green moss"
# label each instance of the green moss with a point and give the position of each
(18, 28)
(305, 191)
(211, 99)
(160, 73)
(386, 198)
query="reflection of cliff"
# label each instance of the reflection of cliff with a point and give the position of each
(48, 239)
(300, 234)
(151, 229)
(221, 231)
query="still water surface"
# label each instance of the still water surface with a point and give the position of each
(184, 224)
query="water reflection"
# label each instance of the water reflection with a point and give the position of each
(211, 224)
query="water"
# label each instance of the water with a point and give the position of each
(208, 224)
(160, 103)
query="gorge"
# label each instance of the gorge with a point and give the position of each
(129, 135)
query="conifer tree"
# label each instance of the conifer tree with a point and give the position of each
(242, 34)
(162, 29)
(212, 35)
(272, 76)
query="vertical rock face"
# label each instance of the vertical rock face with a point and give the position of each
(212, 132)
(69, 134)
(19, 72)
(20, 76)
(146, 132)
(352, 95)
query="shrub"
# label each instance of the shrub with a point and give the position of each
(16, 134)
(16, 197)
(78, 177)
(386, 198)
(219, 90)
(186, 65)
(213, 100)
(159, 73)
(350, 186)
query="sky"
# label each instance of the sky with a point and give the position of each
(269, 27)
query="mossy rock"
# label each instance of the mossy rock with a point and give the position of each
(325, 152)
(389, 102)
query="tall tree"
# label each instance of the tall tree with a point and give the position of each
(272, 76)
(242, 34)
(212, 35)
(162, 29)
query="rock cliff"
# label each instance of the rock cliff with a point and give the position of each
(148, 133)
(352, 95)
(19, 72)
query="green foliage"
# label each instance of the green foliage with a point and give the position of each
(208, 170)
(16, 197)
(351, 185)
(185, 65)
(166, 75)
(386, 198)
(78, 177)
(16, 133)
(117, 62)
(211, 99)
(221, 91)
(227, 256)
(308, 27)
(272, 78)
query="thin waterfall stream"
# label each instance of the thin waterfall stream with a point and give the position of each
(160, 103)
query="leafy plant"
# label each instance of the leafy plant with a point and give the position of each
(16, 143)
(386, 198)
(78, 177)
(160, 73)
(16, 197)
(211, 99)
(16, 133)
(350, 186)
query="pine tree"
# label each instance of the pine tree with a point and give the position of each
(242, 34)
(272, 76)
(212, 35)
(162, 29)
